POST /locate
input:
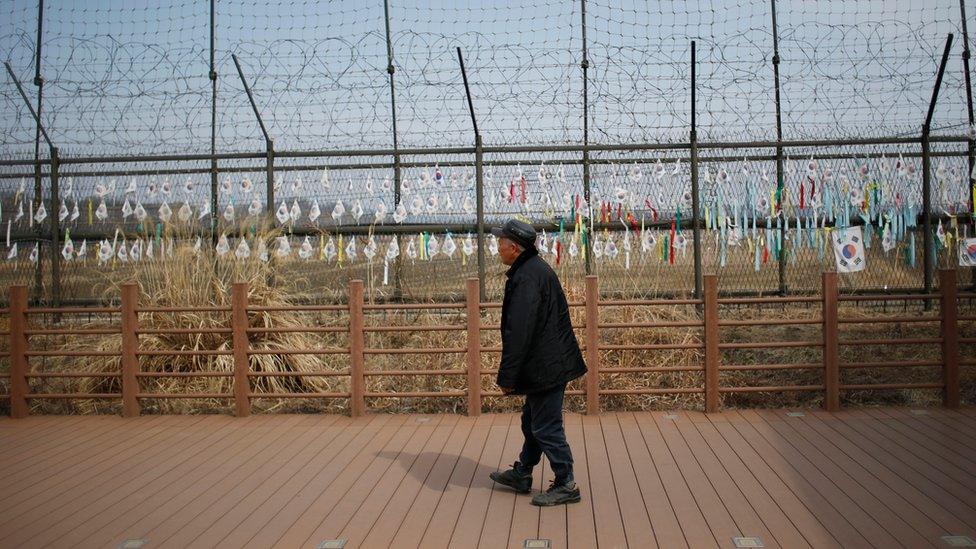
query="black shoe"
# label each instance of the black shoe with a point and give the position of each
(520, 482)
(558, 494)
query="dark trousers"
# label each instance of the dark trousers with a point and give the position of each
(542, 425)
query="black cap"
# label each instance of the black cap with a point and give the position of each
(517, 231)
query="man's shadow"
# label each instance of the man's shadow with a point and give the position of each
(433, 472)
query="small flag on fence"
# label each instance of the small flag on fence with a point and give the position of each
(967, 252)
(849, 250)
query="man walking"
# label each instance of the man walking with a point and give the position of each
(540, 355)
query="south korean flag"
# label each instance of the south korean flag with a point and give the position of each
(967, 252)
(849, 250)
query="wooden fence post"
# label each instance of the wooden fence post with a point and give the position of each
(130, 349)
(474, 347)
(18, 352)
(239, 324)
(950, 337)
(711, 343)
(830, 343)
(357, 402)
(592, 345)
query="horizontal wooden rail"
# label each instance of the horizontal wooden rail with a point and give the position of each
(44, 375)
(380, 373)
(415, 351)
(299, 330)
(287, 352)
(771, 389)
(73, 332)
(653, 391)
(766, 300)
(651, 369)
(187, 309)
(295, 308)
(62, 396)
(770, 345)
(184, 395)
(411, 306)
(71, 353)
(771, 322)
(183, 374)
(182, 331)
(903, 341)
(887, 319)
(668, 324)
(496, 327)
(750, 367)
(649, 302)
(298, 395)
(185, 352)
(569, 392)
(651, 346)
(888, 297)
(338, 373)
(417, 394)
(895, 364)
(888, 386)
(72, 310)
(418, 328)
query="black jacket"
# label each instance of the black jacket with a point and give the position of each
(539, 348)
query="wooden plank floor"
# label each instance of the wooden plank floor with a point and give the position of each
(877, 477)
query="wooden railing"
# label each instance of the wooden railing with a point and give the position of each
(709, 323)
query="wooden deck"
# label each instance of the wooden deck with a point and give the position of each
(857, 478)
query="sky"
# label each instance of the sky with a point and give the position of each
(131, 77)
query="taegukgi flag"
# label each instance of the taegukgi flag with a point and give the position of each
(849, 250)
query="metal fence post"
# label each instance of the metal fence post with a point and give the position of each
(950, 337)
(928, 244)
(779, 148)
(269, 183)
(38, 185)
(585, 65)
(357, 401)
(239, 325)
(969, 91)
(18, 352)
(592, 345)
(213, 124)
(479, 165)
(711, 337)
(695, 189)
(474, 347)
(397, 175)
(55, 230)
(830, 343)
(130, 349)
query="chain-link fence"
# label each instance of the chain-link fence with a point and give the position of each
(585, 114)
